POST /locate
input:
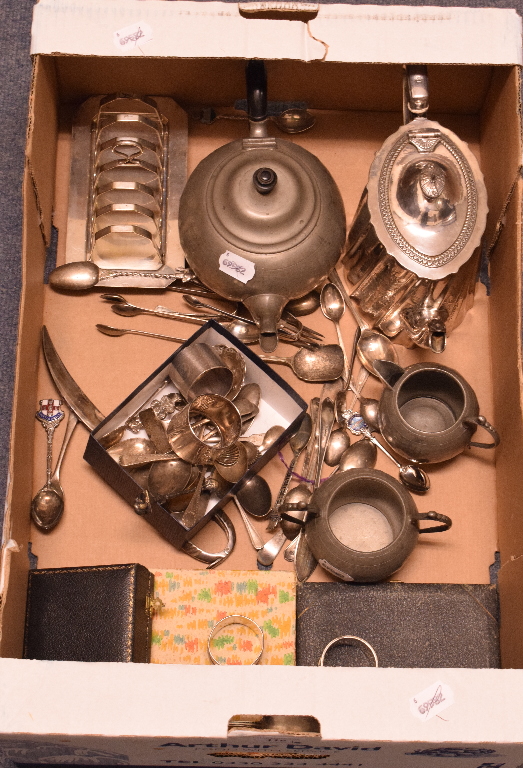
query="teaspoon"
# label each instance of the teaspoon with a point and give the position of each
(333, 307)
(48, 504)
(372, 345)
(110, 331)
(411, 475)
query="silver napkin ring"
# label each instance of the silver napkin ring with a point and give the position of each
(235, 619)
(348, 637)
(181, 432)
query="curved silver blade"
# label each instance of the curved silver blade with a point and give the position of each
(67, 386)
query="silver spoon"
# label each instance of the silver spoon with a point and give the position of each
(267, 555)
(168, 478)
(372, 345)
(124, 309)
(411, 475)
(82, 275)
(270, 437)
(333, 307)
(323, 363)
(48, 504)
(338, 443)
(110, 331)
(301, 492)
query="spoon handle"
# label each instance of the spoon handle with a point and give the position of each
(335, 278)
(49, 417)
(356, 388)
(366, 433)
(325, 427)
(345, 374)
(279, 360)
(179, 274)
(290, 550)
(271, 549)
(256, 541)
(72, 421)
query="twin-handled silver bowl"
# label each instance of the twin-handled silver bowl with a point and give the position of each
(362, 525)
(429, 413)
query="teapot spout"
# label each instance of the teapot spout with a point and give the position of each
(437, 336)
(266, 309)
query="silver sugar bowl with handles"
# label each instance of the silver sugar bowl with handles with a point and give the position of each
(429, 413)
(362, 525)
(261, 219)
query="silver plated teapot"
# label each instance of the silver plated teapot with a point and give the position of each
(261, 219)
(413, 248)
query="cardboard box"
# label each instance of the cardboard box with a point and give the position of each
(149, 715)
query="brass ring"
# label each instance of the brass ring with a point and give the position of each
(236, 619)
(348, 637)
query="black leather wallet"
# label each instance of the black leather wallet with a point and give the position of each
(95, 613)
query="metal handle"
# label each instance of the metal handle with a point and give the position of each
(214, 558)
(446, 522)
(416, 100)
(480, 421)
(256, 78)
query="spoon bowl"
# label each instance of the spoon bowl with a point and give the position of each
(255, 496)
(321, 363)
(338, 443)
(414, 478)
(360, 455)
(306, 305)
(375, 346)
(75, 276)
(47, 508)
(369, 409)
(168, 478)
(270, 437)
(294, 120)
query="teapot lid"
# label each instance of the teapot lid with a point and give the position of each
(427, 199)
(263, 196)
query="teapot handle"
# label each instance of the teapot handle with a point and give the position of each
(256, 80)
(446, 522)
(480, 421)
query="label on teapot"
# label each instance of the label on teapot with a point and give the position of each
(237, 267)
